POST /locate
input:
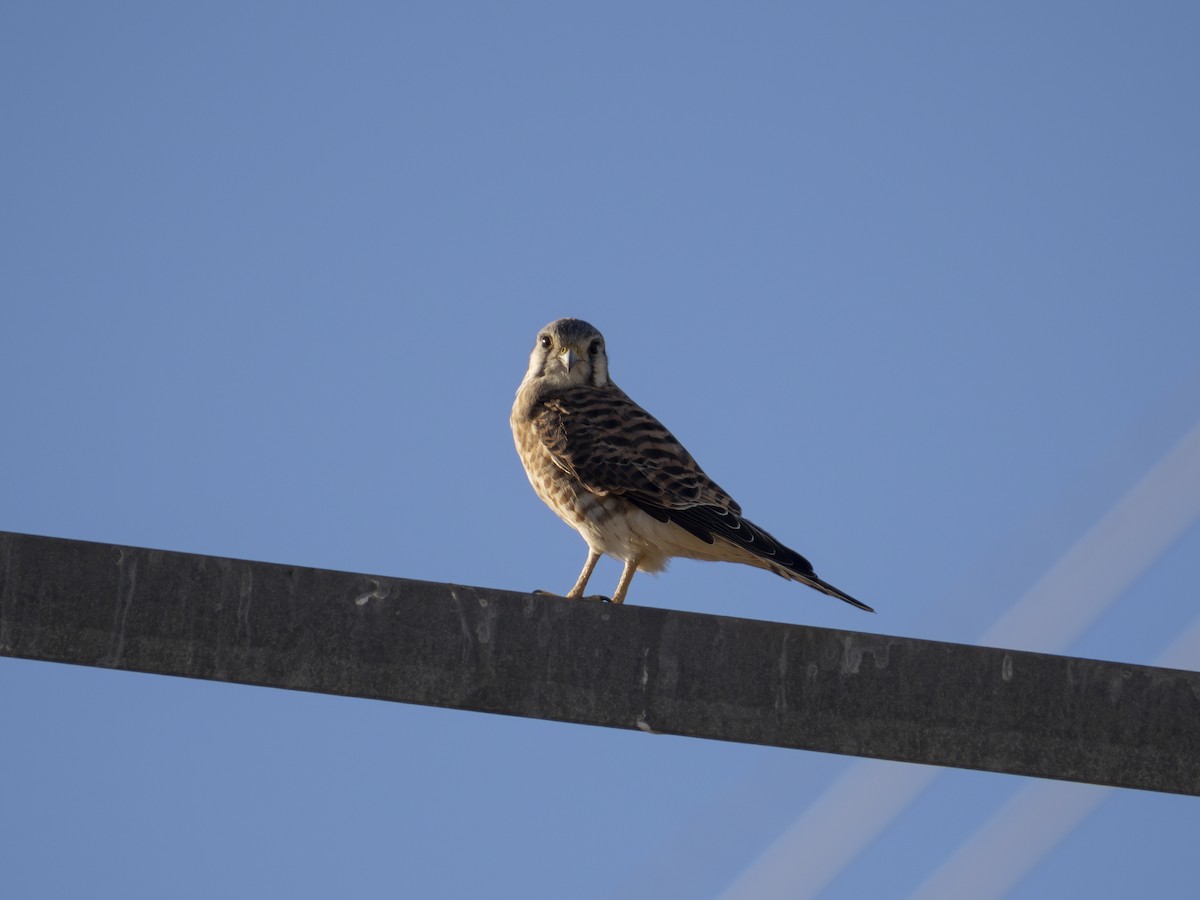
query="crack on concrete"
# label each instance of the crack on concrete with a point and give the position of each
(126, 587)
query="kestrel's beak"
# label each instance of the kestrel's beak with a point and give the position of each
(569, 358)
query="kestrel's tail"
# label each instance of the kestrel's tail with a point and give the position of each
(784, 561)
(826, 588)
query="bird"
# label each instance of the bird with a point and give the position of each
(611, 471)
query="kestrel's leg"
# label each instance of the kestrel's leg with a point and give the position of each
(576, 592)
(626, 577)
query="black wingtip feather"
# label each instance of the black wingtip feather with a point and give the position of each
(709, 522)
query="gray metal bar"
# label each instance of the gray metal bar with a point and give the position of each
(620, 666)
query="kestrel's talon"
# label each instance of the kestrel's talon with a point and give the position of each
(612, 472)
(595, 598)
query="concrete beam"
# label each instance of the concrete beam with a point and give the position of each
(619, 666)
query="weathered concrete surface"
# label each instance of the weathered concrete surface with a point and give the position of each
(577, 661)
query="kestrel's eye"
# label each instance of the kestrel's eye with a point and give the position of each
(544, 340)
(594, 348)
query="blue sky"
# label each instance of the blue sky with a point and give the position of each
(917, 284)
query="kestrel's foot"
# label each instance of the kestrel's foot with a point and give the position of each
(581, 583)
(626, 577)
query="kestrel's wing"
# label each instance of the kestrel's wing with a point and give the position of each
(613, 446)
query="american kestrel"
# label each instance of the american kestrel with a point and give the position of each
(612, 472)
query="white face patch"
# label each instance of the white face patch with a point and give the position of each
(569, 353)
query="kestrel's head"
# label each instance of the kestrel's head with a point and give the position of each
(569, 352)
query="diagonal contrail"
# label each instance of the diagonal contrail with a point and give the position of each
(1087, 580)
(1004, 849)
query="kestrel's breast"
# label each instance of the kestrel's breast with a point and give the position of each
(609, 523)
(559, 490)
(603, 521)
